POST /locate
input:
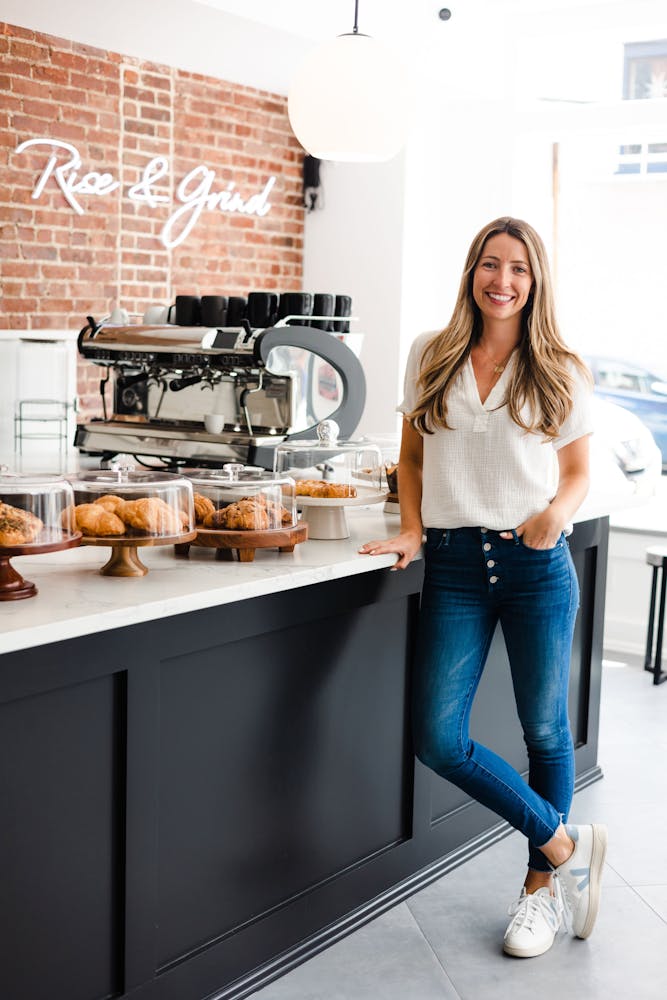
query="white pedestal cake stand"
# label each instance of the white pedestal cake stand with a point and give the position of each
(325, 516)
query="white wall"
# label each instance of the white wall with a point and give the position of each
(353, 246)
(190, 36)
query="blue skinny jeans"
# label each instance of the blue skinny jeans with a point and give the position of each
(473, 580)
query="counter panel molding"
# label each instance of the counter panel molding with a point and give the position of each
(194, 805)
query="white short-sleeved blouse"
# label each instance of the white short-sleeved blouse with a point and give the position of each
(487, 471)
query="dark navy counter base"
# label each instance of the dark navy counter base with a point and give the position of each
(194, 805)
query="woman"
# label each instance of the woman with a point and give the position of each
(493, 464)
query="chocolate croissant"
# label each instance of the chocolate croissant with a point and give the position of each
(244, 515)
(256, 513)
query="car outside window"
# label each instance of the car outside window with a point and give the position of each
(615, 377)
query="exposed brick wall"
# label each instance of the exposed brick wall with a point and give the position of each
(57, 266)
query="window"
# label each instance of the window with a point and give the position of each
(642, 158)
(644, 78)
(645, 70)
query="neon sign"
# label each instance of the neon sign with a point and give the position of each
(195, 192)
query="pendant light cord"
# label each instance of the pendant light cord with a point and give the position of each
(355, 29)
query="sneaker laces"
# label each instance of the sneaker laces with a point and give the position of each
(563, 900)
(530, 906)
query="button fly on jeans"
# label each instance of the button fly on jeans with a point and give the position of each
(490, 563)
(487, 546)
(493, 579)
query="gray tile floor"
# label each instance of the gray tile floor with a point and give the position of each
(445, 941)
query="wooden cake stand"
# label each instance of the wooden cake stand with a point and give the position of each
(245, 543)
(12, 585)
(124, 559)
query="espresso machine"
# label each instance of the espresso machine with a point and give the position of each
(252, 386)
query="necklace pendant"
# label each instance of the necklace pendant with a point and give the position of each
(498, 369)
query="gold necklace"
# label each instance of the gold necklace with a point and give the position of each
(497, 368)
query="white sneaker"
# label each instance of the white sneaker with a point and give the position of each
(537, 918)
(581, 876)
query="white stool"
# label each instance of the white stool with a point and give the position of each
(657, 558)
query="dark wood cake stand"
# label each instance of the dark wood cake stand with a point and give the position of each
(12, 585)
(124, 559)
(245, 543)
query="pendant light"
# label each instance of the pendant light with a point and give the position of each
(350, 99)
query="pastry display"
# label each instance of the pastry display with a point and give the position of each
(17, 526)
(330, 476)
(136, 504)
(321, 488)
(128, 510)
(36, 516)
(240, 510)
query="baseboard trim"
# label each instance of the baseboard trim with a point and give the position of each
(588, 777)
(351, 922)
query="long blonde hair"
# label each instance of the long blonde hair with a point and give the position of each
(542, 382)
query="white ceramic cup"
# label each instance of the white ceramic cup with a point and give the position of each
(156, 315)
(119, 316)
(214, 423)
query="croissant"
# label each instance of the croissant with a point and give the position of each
(110, 502)
(203, 506)
(152, 515)
(322, 489)
(18, 526)
(94, 520)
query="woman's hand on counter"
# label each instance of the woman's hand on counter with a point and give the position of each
(406, 545)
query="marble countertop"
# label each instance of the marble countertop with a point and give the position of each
(73, 599)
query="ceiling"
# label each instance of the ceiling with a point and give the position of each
(317, 19)
(392, 19)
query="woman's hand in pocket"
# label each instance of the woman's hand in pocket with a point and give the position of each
(541, 531)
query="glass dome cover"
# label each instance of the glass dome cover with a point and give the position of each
(124, 503)
(237, 498)
(326, 468)
(35, 511)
